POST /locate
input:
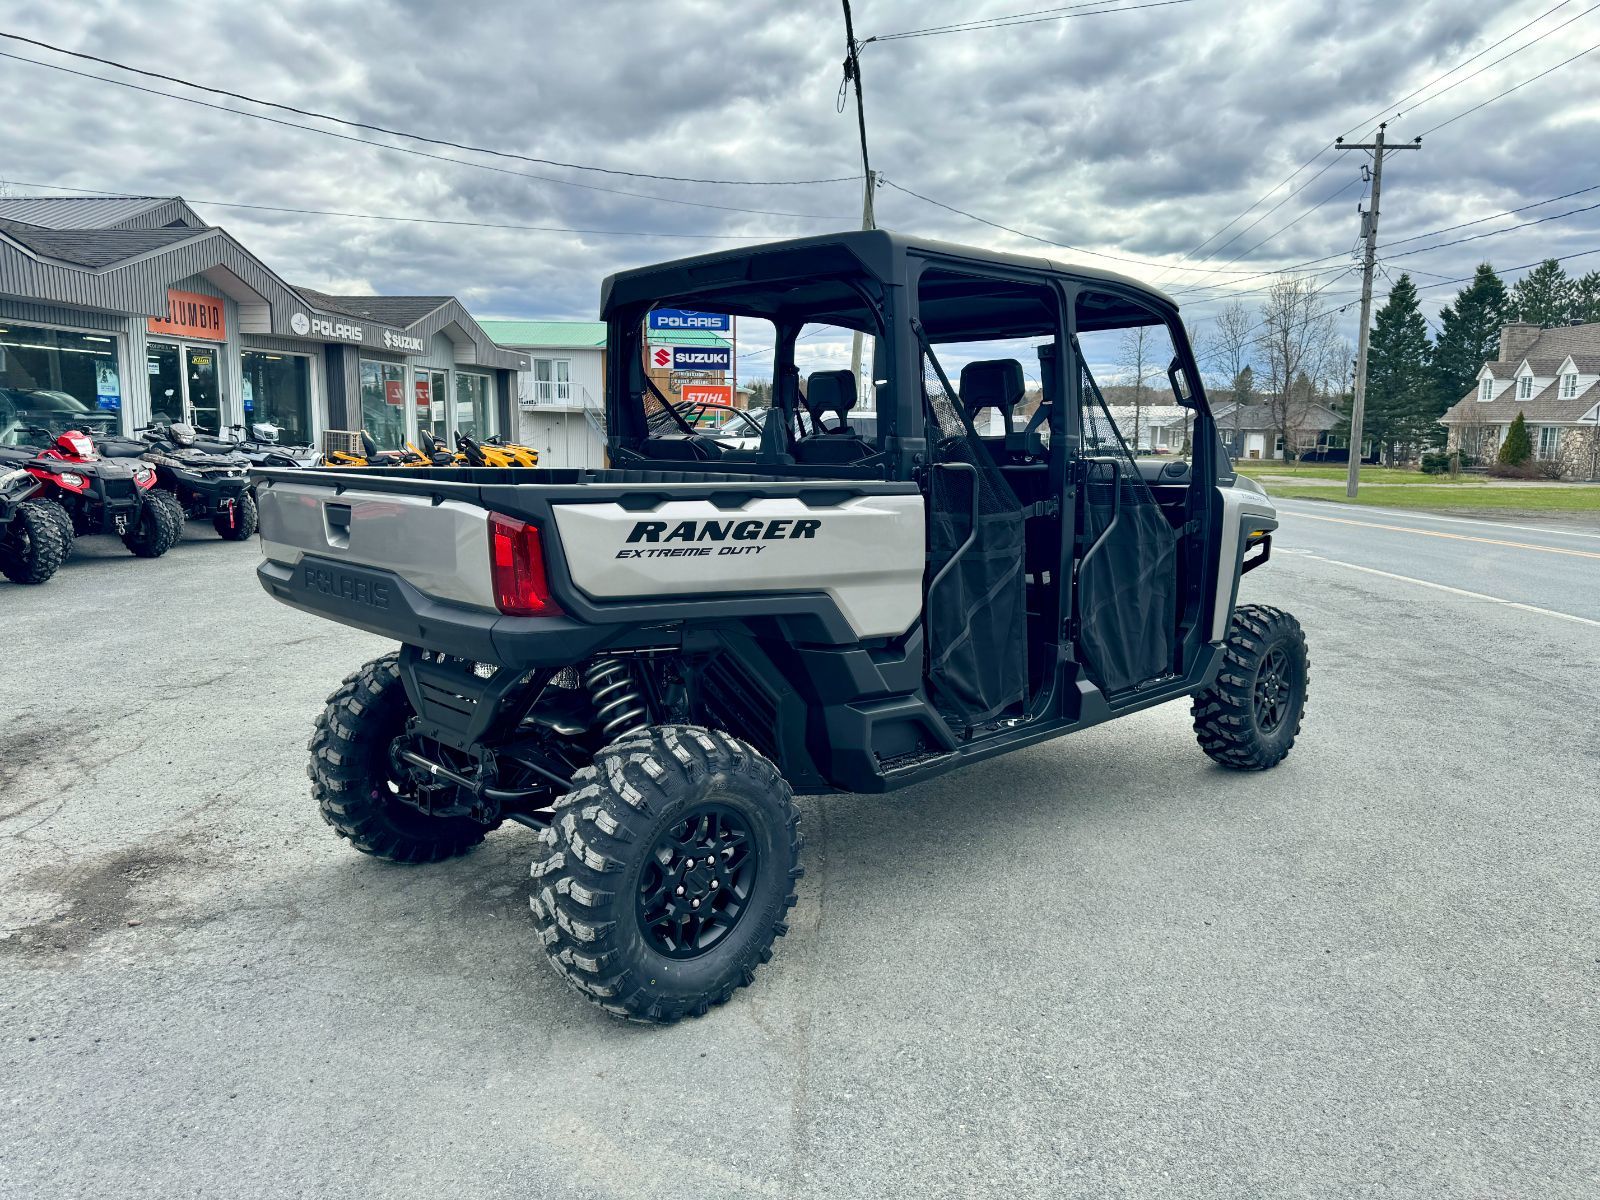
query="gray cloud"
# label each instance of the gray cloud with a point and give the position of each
(1136, 134)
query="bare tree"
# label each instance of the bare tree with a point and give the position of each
(1139, 349)
(1296, 337)
(1227, 348)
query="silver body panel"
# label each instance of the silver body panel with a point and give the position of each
(1244, 507)
(866, 552)
(440, 549)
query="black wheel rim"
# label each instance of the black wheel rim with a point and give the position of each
(1274, 691)
(697, 882)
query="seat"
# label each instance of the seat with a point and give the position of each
(831, 392)
(998, 383)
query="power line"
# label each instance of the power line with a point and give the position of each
(1017, 19)
(409, 220)
(1468, 61)
(1402, 241)
(1509, 90)
(1033, 236)
(412, 150)
(416, 137)
(1293, 174)
(1268, 213)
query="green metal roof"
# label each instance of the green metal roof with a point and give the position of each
(583, 335)
(574, 335)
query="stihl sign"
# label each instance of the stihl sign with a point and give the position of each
(690, 358)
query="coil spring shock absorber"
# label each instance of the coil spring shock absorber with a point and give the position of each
(617, 699)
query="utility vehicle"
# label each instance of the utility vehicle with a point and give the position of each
(646, 662)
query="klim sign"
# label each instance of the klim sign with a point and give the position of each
(691, 358)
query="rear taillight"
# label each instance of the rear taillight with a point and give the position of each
(516, 562)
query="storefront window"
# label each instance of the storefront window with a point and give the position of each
(383, 403)
(474, 414)
(432, 396)
(51, 380)
(277, 391)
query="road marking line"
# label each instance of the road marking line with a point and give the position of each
(1456, 537)
(1454, 591)
(1411, 515)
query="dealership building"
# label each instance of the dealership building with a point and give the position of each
(134, 305)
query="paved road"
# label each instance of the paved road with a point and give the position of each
(1098, 968)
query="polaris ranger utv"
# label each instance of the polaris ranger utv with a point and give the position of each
(646, 662)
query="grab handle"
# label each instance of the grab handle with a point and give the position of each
(972, 534)
(1116, 507)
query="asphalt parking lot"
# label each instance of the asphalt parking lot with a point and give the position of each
(1102, 967)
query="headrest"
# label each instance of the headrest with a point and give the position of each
(830, 391)
(992, 383)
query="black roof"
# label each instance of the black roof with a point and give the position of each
(399, 311)
(773, 274)
(94, 248)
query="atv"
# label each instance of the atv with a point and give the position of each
(205, 485)
(647, 662)
(86, 493)
(32, 544)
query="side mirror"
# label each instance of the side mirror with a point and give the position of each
(1181, 393)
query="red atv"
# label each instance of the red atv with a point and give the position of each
(89, 494)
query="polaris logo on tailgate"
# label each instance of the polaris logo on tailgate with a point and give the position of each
(330, 581)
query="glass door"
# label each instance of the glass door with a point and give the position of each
(433, 395)
(204, 398)
(166, 384)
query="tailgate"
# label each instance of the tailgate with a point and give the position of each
(440, 547)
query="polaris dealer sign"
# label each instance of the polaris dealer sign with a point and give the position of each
(691, 358)
(675, 319)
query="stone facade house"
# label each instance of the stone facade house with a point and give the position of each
(1550, 376)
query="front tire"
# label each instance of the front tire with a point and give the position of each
(1249, 717)
(159, 526)
(34, 548)
(63, 519)
(245, 520)
(664, 880)
(356, 783)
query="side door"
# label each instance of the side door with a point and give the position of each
(1134, 510)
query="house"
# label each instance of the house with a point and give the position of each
(561, 396)
(1251, 431)
(1550, 377)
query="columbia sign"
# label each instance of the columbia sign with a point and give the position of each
(691, 358)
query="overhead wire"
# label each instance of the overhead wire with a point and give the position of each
(410, 220)
(977, 26)
(412, 150)
(403, 133)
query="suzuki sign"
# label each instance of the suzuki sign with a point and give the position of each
(691, 358)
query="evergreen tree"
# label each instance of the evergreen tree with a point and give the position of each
(1544, 296)
(1587, 297)
(1469, 336)
(1518, 447)
(1400, 404)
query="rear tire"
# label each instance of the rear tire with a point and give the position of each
(1250, 715)
(354, 781)
(671, 817)
(33, 549)
(159, 526)
(244, 522)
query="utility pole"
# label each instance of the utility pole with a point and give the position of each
(1369, 231)
(852, 76)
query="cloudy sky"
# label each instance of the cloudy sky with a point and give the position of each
(1137, 134)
